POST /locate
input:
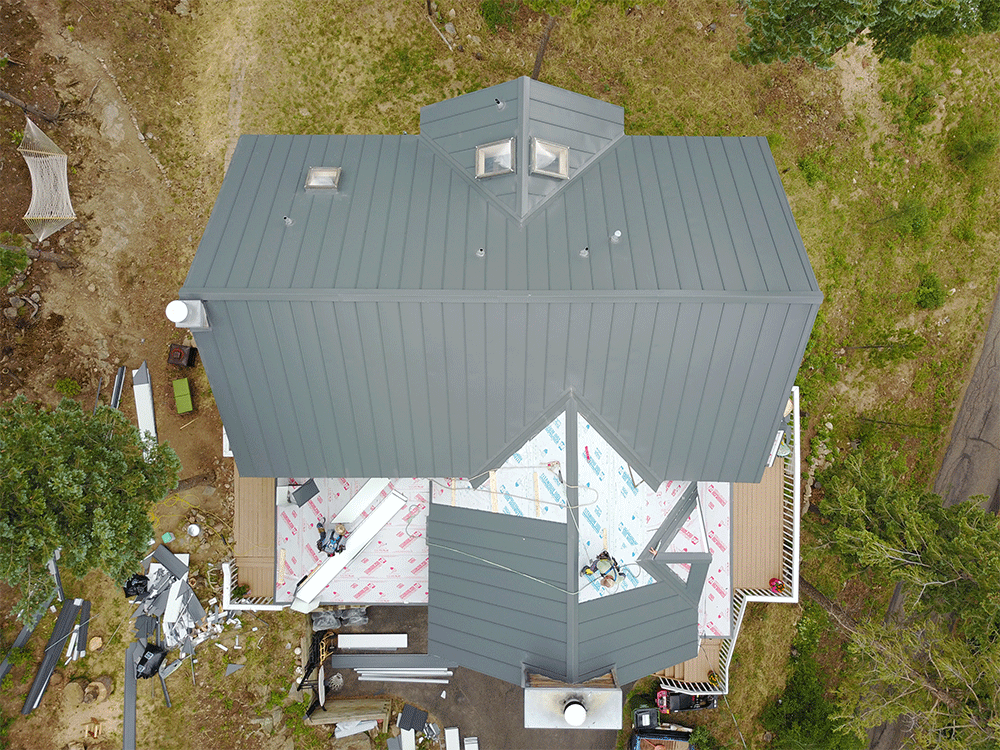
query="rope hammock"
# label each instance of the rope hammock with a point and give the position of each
(50, 208)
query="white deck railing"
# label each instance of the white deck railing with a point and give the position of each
(789, 571)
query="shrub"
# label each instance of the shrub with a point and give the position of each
(973, 143)
(703, 739)
(913, 218)
(499, 13)
(930, 293)
(67, 387)
(13, 259)
(811, 169)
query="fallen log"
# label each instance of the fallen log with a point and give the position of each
(28, 108)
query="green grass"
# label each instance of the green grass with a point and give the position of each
(499, 14)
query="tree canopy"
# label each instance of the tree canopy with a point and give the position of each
(82, 482)
(815, 29)
(938, 662)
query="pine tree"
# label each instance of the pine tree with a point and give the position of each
(816, 29)
(938, 662)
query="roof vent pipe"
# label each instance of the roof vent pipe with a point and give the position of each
(574, 712)
(617, 236)
(500, 103)
(189, 313)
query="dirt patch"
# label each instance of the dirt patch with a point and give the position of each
(108, 311)
(860, 93)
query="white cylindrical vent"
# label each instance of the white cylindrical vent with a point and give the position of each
(574, 713)
(187, 313)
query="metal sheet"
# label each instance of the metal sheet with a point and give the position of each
(132, 654)
(543, 708)
(61, 630)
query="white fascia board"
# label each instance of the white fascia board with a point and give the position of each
(373, 641)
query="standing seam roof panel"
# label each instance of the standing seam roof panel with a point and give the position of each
(691, 172)
(306, 316)
(356, 381)
(737, 381)
(375, 366)
(407, 269)
(764, 174)
(637, 243)
(727, 356)
(352, 255)
(664, 261)
(344, 419)
(397, 375)
(276, 236)
(396, 220)
(726, 233)
(305, 438)
(387, 193)
(639, 354)
(698, 372)
(664, 332)
(595, 212)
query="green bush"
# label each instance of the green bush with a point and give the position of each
(930, 293)
(921, 106)
(703, 739)
(12, 260)
(973, 143)
(67, 387)
(913, 218)
(499, 13)
(801, 716)
(811, 169)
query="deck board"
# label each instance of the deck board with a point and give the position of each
(253, 530)
(757, 529)
(696, 669)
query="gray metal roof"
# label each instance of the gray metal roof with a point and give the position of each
(500, 622)
(503, 595)
(369, 338)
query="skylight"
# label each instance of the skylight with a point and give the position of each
(495, 158)
(549, 159)
(323, 178)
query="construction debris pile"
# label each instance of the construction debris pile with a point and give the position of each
(169, 616)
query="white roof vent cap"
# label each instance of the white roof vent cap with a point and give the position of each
(574, 713)
(188, 313)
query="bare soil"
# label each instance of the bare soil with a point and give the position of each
(108, 311)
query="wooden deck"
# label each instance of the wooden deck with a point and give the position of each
(253, 529)
(696, 669)
(757, 530)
